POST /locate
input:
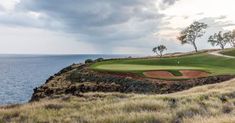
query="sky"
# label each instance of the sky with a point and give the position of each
(107, 26)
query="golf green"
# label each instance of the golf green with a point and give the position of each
(215, 65)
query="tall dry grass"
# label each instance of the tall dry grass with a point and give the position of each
(204, 104)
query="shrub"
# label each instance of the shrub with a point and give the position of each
(99, 60)
(223, 98)
(88, 61)
(9, 117)
(54, 106)
(227, 108)
(172, 102)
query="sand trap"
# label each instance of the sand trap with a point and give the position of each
(186, 74)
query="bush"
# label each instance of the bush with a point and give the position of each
(54, 106)
(223, 98)
(227, 108)
(99, 60)
(88, 61)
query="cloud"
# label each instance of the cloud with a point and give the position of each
(200, 13)
(20, 40)
(219, 23)
(222, 17)
(92, 17)
(169, 2)
(8, 5)
(107, 23)
(113, 26)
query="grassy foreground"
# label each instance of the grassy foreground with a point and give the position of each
(205, 104)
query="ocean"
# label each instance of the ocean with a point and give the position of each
(20, 74)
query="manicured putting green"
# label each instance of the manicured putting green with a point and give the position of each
(215, 65)
(132, 67)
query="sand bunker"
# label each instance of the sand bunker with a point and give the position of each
(186, 74)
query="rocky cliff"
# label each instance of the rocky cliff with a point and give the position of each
(78, 79)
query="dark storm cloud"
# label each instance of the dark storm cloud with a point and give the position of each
(104, 23)
(100, 20)
(87, 16)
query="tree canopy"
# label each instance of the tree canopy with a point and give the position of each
(191, 33)
(232, 41)
(220, 39)
(159, 50)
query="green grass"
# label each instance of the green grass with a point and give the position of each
(133, 67)
(213, 64)
(230, 52)
(175, 72)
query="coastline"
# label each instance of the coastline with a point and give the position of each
(62, 85)
(78, 93)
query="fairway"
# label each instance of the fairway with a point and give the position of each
(215, 65)
(131, 67)
(229, 52)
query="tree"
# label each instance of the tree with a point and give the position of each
(88, 61)
(159, 50)
(232, 40)
(191, 33)
(220, 39)
(230, 37)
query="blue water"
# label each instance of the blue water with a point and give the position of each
(20, 74)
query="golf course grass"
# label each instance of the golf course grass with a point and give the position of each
(134, 67)
(215, 65)
(230, 52)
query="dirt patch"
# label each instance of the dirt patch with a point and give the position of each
(194, 73)
(186, 74)
(159, 74)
